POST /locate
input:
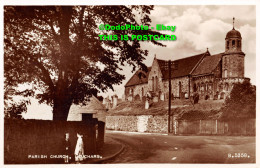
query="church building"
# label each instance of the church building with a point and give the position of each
(211, 76)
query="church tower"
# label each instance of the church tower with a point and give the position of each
(233, 58)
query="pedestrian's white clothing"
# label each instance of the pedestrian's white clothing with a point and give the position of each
(79, 150)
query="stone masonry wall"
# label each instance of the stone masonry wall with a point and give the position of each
(234, 64)
(122, 123)
(142, 123)
(176, 87)
(155, 74)
(158, 124)
(136, 90)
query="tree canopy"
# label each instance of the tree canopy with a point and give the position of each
(57, 50)
(242, 102)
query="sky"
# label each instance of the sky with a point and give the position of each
(197, 28)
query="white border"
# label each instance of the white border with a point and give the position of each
(136, 2)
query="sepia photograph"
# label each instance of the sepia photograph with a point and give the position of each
(129, 84)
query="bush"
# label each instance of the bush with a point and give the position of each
(241, 103)
(15, 109)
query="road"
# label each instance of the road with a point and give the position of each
(155, 148)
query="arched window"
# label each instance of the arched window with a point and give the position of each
(225, 73)
(180, 90)
(142, 93)
(239, 43)
(153, 83)
(202, 86)
(233, 43)
(194, 87)
(156, 83)
(227, 44)
(130, 91)
(226, 87)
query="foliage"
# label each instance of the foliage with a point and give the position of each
(58, 50)
(242, 102)
(15, 109)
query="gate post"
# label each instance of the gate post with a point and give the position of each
(90, 140)
(216, 126)
(101, 134)
(175, 125)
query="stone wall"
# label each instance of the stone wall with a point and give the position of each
(155, 83)
(142, 123)
(204, 86)
(179, 85)
(158, 124)
(137, 90)
(121, 123)
(234, 64)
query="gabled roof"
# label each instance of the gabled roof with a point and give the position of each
(94, 106)
(208, 64)
(139, 77)
(183, 67)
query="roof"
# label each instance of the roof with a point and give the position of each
(183, 67)
(139, 77)
(233, 33)
(94, 106)
(208, 64)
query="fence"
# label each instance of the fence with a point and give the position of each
(24, 139)
(159, 124)
(218, 127)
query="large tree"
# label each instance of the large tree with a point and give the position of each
(57, 50)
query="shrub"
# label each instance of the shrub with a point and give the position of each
(241, 103)
(15, 109)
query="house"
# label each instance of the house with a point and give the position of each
(94, 106)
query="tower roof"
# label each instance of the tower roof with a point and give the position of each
(233, 33)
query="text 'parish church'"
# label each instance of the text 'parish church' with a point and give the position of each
(211, 76)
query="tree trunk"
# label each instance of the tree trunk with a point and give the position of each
(61, 109)
(62, 100)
